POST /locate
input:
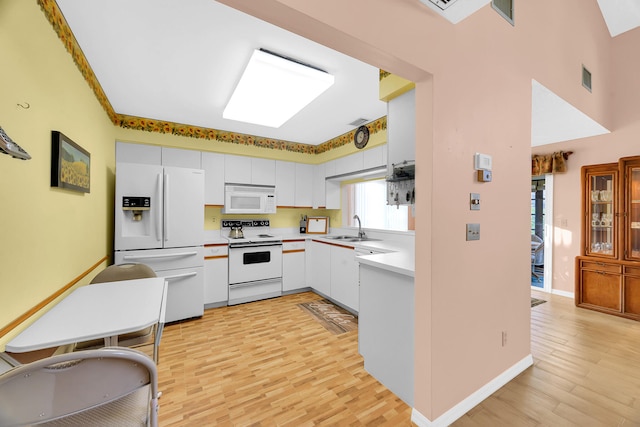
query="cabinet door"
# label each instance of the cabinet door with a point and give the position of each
(304, 185)
(213, 166)
(216, 282)
(375, 157)
(319, 195)
(138, 153)
(263, 171)
(348, 164)
(632, 208)
(285, 183)
(293, 263)
(601, 289)
(601, 206)
(632, 295)
(344, 276)
(318, 261)
(180, 158)
(237, 169)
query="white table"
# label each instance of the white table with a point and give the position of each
(103, 310)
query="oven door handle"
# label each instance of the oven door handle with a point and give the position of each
(254, 283)
(253, 245)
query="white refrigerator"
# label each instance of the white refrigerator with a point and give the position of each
(159, 221)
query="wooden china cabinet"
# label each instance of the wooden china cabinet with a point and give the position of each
(608, 269)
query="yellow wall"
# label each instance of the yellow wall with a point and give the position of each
(50, 236)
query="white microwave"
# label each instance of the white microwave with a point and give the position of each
(249, 199)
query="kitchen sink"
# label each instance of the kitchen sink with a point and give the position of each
(352, 238)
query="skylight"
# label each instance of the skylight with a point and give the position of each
(274, 88)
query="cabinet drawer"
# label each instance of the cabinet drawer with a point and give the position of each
(631, 270)
(601, 290)
(600, 266)
(216, 250)
(293, 245)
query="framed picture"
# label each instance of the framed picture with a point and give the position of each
(70, 164)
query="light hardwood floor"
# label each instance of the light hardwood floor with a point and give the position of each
(269, 363)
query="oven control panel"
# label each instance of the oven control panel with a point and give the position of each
(245, 223)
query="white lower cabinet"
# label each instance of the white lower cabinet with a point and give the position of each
(293, 265)
(216, 275)
(319, 267)
(333, 271)
(386, 341)
(344, 276)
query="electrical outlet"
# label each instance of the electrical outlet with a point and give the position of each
(214, 219)
(504, 338)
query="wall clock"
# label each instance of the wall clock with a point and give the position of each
(361, 137)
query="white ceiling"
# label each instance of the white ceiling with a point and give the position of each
(180, 61)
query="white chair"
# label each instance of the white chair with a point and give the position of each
(537, 255)
(119, 272)
(105, 387)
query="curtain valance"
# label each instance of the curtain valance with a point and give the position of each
(549, 163)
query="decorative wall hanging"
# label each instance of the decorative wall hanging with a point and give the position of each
(70, 164)
(549, 163)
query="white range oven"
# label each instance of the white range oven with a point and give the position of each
(255, 262)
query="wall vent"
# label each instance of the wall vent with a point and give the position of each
(443, 4)
(358, 122)
(586, 78)
(504, 9)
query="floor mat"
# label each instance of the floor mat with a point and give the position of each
(335, 319)
(536, 301)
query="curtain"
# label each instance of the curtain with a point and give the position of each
(549, 163)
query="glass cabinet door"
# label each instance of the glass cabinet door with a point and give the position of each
(632, 212)
(601, 221)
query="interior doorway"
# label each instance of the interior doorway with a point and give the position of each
(541, 231)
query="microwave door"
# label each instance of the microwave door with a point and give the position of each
(245, 203)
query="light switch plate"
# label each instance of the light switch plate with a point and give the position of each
(474, 201)
(473, 231)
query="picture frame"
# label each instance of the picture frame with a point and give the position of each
(317, 225)
(70, 164)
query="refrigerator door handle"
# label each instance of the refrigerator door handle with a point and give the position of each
(166, 206)
(158, 207)
(180, 276)
(173, 255)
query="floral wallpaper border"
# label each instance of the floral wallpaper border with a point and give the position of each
(60, 26)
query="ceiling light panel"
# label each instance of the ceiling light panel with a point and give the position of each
(273, 89)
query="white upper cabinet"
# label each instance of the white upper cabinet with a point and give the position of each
(319, 196)
(213, 165)
(374, 157)
(237, 169)
(249, 170)
(285, 183)
(329, 168)
(401, 127)
(138, 153)
(263, 171)
(349, 164)
(180, 158)
(304, 185)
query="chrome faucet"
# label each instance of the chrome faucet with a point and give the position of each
(360, 232)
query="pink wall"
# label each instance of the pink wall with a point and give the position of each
(473, 95)
(624, 114)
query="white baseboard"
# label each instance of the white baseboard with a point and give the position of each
(563, 293)
(467, 404)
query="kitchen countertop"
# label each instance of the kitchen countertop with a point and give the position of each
(396, 256)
